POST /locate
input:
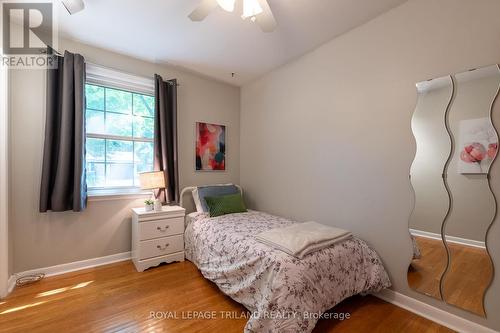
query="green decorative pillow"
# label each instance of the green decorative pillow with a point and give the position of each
(225, 204)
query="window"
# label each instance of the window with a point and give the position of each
(120, 130)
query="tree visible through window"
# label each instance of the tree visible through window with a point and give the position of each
(120, 129)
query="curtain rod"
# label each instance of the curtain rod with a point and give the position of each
(114, 69)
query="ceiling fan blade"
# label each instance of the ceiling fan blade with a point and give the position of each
(73, 6)
(266, 19)
(202, 11)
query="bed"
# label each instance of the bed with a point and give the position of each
(282, 293)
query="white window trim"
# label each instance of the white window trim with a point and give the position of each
(112, 78)
(112, 194)
(118, 137)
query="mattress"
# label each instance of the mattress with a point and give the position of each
(281, 292)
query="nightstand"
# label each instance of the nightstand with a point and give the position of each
(157, 236)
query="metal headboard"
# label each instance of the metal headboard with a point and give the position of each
(189, 204)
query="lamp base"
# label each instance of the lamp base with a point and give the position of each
(157, 206)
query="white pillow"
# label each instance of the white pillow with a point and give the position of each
(197, 201)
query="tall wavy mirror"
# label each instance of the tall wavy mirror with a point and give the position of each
(431, 198)
(454, 205)
(470, 269)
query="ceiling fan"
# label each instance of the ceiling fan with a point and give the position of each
(257, 11)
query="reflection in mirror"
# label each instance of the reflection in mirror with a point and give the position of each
(431, 198)
(470, 269)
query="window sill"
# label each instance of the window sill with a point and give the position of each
(117, 194)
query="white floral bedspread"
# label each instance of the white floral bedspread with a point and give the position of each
(283, 293)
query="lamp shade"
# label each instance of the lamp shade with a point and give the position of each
(152, 180)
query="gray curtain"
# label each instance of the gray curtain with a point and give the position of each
(63, 185)
(165, 139)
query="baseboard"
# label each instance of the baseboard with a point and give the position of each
(439, 316)
(78, 265)
(450, 239)
(6, 290)
(11, 284)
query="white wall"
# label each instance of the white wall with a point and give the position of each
(42, 240)
(4, 232)
(328, 138)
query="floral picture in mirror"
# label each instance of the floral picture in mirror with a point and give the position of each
(210, 147)
(478, 146)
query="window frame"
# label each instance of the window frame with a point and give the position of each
(109, 78)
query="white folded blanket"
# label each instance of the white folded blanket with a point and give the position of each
(301, 239)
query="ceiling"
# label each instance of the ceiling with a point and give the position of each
(160, 31)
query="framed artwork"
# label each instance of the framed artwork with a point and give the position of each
(210, 147)
(478, 146)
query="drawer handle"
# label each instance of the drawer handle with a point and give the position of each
(160, 229)
(162, 248)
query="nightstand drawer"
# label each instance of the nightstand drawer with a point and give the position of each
(160, 246)
(161, 228)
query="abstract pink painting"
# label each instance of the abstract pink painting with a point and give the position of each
(210, 147)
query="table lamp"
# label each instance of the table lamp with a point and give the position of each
(153, 180)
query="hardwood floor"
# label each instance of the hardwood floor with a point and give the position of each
(465, 282)
(116, 298)
(468, 278)
(424, 274)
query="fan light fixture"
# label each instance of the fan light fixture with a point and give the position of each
(257, 11)
(251, 8)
